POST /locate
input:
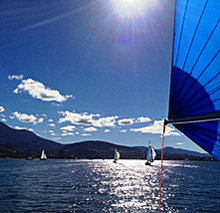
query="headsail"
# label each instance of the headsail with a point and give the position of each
(117, 155)
(194, 106)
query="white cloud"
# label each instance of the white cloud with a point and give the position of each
(126, 121)
(123, 130)
(68, 128)
(50, 120)
(51, 131)
(57, 138)
(2, 109)
(3, 120)
(67, 134)
(90, 129)
(54, 134)
(17, 77)
(88, 119)
(39, 91)
(19, 128)
(86, 134)
(142, 120)
(23, 128)
(107, 130)
(52, 125)
(179, 143)
(40, 120)
(25, 118)
(130, 121)
(156, 128)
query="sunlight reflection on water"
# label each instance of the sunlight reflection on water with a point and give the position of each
(102, 186)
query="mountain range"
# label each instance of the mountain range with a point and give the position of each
(22, 143)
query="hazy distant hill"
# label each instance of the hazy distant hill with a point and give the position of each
(14, 142)
(23, 143)
(174, 151)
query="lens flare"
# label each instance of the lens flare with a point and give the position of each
(130, 9)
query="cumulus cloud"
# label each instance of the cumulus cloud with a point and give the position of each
(123, 130)
(156, 128)
(143, 120)
(25, 118)
(68, 128)
(130, 121)
(126, 121)
(16, 77)
(2, 109)
(50, 120)
(40, 120)
(52, 125)
(90, 129)
(88, 119)
(37, 90)
(107, 130)
(3, 120)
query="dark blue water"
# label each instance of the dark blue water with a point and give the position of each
(102, 186)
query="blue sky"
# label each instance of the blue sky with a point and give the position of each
(88, 70)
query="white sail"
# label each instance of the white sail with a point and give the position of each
(151, 154)
(43, 155)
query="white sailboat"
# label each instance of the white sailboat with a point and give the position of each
(151, 155)
(43, 156)
(117, 156)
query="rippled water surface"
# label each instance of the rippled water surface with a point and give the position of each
(102, 186)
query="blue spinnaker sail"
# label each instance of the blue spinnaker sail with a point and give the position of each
(195, 78)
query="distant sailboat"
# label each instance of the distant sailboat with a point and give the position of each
(117, 156)
(151, 155)
(43, 156)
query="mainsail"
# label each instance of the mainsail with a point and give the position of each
(151, 154)
(43, 155)
(194, 105)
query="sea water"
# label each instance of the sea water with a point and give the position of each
(103, 186)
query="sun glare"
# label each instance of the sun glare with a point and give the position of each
(130, 8)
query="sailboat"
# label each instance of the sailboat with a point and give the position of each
(151, 155)
(194, 102)
(117, 156)
(43, 156)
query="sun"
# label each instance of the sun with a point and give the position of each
(130, 9)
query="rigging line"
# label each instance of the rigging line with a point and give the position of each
(181, 32)
(195, 119)
(161, 167)
(208, 64)
(194, 34)
(190, 104)
(212, 79)
(190, 73)
(185, 98)
(204, 46)
(213, 91)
